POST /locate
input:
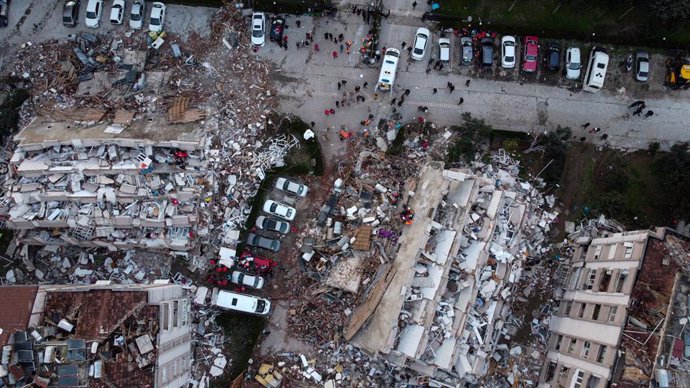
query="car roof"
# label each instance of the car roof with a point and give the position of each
(422, 30)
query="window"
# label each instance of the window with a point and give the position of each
(628, 249)
(585, 349)
(612, 251)
(605, 281)
(573, 342)
(559, 339)
(597, 252)
(234, 302)
(567, 306)
(621, 280)
(581, 312)
(175, 313)
(595, 311)
(185, 312)
(601, 354)
(165, 316)
(578, 377)
(550, 371)
(590, 279)
(612, 313)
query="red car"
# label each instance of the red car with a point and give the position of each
(530, 55)
(254, 263)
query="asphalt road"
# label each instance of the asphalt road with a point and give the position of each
(308, 79)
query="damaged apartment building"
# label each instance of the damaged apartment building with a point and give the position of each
(98, 335)
(444, 309)
(120, 183)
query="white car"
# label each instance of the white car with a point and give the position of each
(157, 17)
(258, 29)
(94, 9)
(444, 49)
(256, 282)
(263, 222)
(508, 52)
(278, 209)
(292, 187)
(573, 63)
(136, 15)
(117, 12)
(421, 40)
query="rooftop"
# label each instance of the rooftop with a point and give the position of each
(16, 303)
(43, 132)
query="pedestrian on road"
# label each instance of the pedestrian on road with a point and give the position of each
(365, 85)
(404, 44)
(337, 104)
(339, 85)
(595, 130)
(298, 44)
(334, 54)
(313, 124)
(401, 102)
(344, 82)
(409, 50)
(431, 60)
(461, 101)
(407, 92)
(299, 23)
(604, 136)
(342, 48)
(440, 67)
(325, 35)
(327, 112)
(371, 116)
(316, 47)
(452, 88)
(649, 114)
(585, 125)
(637, 111)
(340, 38)
(332, 111)
(420, 108)
(636, 103)
(285, 46)
(582, 139)
(425, 110)
(428, 70)
(414, 5)
(335, 40)
(435, 91)
(467, 83)
(356, 89)
(393, 101)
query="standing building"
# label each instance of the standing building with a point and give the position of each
(594, 296)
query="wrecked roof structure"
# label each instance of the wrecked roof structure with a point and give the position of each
(594, 294)
(99, 336)
(444, 307)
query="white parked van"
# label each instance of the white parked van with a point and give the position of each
(596, 70)
(243, 303)
(388, 69)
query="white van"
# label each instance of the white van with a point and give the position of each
(388, 69)
(596, 70)
(444, 49)
(243, 303)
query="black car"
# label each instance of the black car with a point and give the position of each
(277, 28)
(487, 51)
(4, 12)
(70, 13)
(553, 56)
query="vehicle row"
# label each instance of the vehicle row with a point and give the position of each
(118, 10)
(258, 38)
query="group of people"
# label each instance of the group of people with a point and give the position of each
(639, 106)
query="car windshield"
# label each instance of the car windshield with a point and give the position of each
(258, 33)
(643, 74)
(509, 59)
(531, 58)
(574, 66)
(418, 51)
(270, 224)
(155, 21)
(91, 15)
(260, 306)
(288, 212)
(274, 206)
(136, 13)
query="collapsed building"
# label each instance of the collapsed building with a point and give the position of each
(116, 186)
(98, 335)
(443, 309)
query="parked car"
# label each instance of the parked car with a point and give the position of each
(277, 28)
(573, 63)
(531, 54)
(136, 15)
(444, 49)
(421, 39)
(70, 13)
(487, 51)
(278, 209)
(553, 56)
(4, 12)
(157, 18)
(508, 52)
(256, 263)
(596, 70)
(258, 29)
(642, 66)
(94, 9)
(243, 303)
(117, 12)
(291, 187)
(263, 222)
(242, 278)
(263, 242)
(467, 50)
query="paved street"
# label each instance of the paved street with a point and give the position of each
(308, 83)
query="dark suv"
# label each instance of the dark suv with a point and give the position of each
(553, 56)
(70, 13)
(487, 51)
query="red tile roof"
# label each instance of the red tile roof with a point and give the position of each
(16, 303)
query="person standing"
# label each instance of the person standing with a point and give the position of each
(435, 91)
(334, 54)
(404, 44)
(339, 84)
(414, 5)
(461, 101)
(467, 83)
(407, 92)
(649, 114)
(365, 85)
